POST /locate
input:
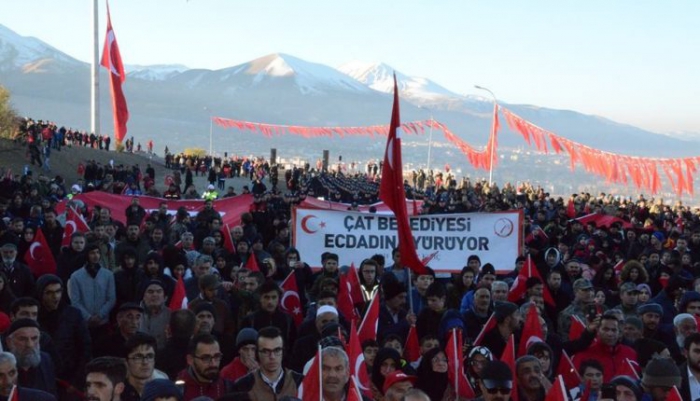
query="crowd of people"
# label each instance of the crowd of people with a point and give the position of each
(621, 300)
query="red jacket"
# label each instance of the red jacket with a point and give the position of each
(194, 389)
(234, 370)
(612, 358)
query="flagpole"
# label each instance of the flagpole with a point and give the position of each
(493, 145)
(430, 140)
(410, 289)
(454, 344)
(94, 72)
(320, 371)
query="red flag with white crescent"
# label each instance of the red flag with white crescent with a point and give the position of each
(354, 281)
(532, 331)
(290, 299)
(179, 299)
(310, 389)
(74, 223)
(112, 61)
(39, 257)
(358, 369)
(368, 327)
(455, 364)
(508, 357)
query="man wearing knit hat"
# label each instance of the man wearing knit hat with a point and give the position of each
(156, 313)
(652, 314)
(583, 296)
(161, 390)
(35, 367)
(8, 381)
(394, 318)
(660, 375)
(245, 362)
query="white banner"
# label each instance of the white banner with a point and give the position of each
(445, 240)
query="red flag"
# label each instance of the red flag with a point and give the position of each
(618, 267)
(412, 349)
(490, 324)
(74, 223)
(392, 192)
(571, 209)
(558, 391)
(179, 299)
(577, 328)
(368, 327)
(674, 395)
(39, 257)
(14, 394)
(228, 239)
(532, 331)
(508, 358)
(354, 281)
(455, 366)
(346, 306)
(630, 368)
(354, 393)
(519, 286)
(428, 258)
(290, 299)
(358, 369)
(567, 371)
(310, 389)
(252, 264)
(112, 61)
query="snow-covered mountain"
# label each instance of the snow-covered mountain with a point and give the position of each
(156, 72)
(379, 76)
(276, 69)
(31, 54)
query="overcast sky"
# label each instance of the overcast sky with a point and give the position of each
(634, 61)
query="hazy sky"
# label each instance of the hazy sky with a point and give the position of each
(635, 61)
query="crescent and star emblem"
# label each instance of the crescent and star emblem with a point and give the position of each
(296, 309)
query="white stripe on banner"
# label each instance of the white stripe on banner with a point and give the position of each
(495, 237)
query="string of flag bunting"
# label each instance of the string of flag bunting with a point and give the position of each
(642, 172)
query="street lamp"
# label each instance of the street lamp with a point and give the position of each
(495, 101)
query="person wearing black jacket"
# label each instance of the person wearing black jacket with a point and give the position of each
(19, 277)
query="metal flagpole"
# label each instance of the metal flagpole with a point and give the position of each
(410, 289)
(454, 344)
(95, 71)
(320, 372)
(430, 140)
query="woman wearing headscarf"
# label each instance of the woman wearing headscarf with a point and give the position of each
(387, 360)
(433, 378)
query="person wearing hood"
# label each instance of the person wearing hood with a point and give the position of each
(66, 326)
(126, 279)
(91, 289)
(153, 269)
(387, 361)
(433, 378)
(72, 257)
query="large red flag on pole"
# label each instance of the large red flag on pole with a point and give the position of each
(392, 192)
(112, 61)
(290, 299)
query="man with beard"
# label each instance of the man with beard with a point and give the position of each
(8, 379)
(690, 370)
(530, 378)
(394, 317)
(134, 241)
(105, 379)
(140, 363)
(271, 381)
(583, 296)
(684, 325)
(91, 289)
(35, 367)
(201, 378)
(19, 277)
(652, 315)
(66, 326)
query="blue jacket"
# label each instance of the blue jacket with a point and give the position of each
(93, 296)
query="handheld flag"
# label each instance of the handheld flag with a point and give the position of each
(39, 257)
(252, 264)
(455, 366)
(74, 223)
(290, 302)
(311, 386)
(508, 357)
(228, 239)
(567, 371)
(368, 327)
(179, 300)
(411, 350)
(532, 331)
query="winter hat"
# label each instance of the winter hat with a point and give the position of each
(246, 336)
(661, 372)
(392, 289)
(205, 306)
(160, 388)
(630, 383)
(688, 297)
(22, 323)
(650, 308)
(501, 310)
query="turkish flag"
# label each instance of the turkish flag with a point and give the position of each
(358, 369)
(455, 365)
(74, 223)
(38, 257)
(354, 280)
(519, 286)
(558, 391)
(571, 209)
(179, 299)
(411, 350)
(532, 331)
(354, 393)
(508, 357)
(310, 389)
(567, 370)
(228, 239)
(346, 305)
(631, 369)
(392, 192)
(368, 327)
(252, 264)
(490, 324)
(290, 299)
(112, 61)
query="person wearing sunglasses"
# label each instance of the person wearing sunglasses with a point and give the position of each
(496, 382)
